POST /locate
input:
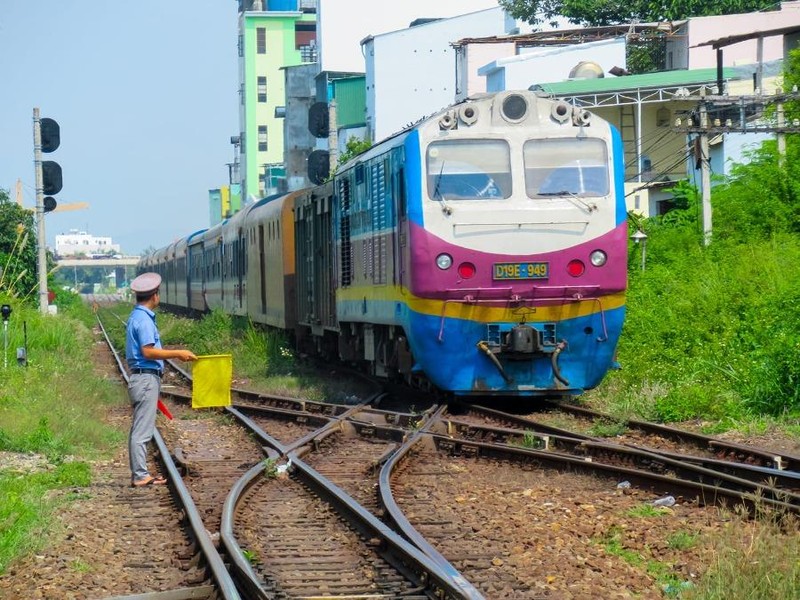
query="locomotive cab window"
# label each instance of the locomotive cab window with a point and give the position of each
(557, 167)
(468, 170)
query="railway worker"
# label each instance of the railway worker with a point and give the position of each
(145, 358)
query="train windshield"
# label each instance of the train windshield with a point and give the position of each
(469, 170)
(556, 167)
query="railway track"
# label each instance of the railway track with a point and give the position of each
(480, 423)
(371, 502)
(228, 481)
(682, 442)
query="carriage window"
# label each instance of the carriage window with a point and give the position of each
(558, 167)
(468, 170)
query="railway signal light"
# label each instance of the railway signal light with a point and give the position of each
(51, 177)
(318, 166)
(52, 180)
(51, 135)
(318, 120)
(49, 203)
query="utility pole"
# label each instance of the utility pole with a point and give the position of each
(41, 247)
(729, 107)
(705, 173)
(781, 122)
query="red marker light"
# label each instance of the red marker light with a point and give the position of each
(466, 270)
(576, 268)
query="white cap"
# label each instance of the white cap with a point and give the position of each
(146, 283)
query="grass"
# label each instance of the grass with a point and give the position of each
(682, 540)
(270, 468)
(530, 441)
(613, 544)
(26, 513)
(54, 407)
(753, 559)
(647, 510)
(250, 556)
(607, 428)
(80, 566)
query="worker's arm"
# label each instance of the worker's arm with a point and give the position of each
(153, 353)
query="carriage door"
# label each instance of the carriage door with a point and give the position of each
(220, 261)
(238, 265)
(262, 269)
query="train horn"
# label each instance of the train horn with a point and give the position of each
(561, 112)
(468, 114)
(447, 121)
(581, 117)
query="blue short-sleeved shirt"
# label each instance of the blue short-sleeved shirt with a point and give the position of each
(142, 331)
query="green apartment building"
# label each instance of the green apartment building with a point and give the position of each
(272, 34)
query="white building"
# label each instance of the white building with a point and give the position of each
(410, 72)
(77, 243)
(342, 24)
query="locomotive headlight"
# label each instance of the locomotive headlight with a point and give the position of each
(514, 108)
(444, 261)
(598, 258)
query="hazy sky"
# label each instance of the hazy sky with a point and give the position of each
(146, 96)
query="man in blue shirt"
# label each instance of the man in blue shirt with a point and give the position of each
(145, 358)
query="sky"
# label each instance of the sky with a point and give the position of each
(146, 96)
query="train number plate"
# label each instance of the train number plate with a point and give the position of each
(522, 270)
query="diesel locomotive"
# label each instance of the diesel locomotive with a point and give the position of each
(482, 249)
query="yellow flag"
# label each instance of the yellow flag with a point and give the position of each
(211, 381)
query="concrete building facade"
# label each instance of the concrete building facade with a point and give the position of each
(273, 34)
(81, 243)
(409, 73)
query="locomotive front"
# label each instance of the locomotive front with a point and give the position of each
(517, 247)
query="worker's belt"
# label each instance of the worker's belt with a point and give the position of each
(155, 372)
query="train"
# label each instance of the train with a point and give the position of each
(482, 251)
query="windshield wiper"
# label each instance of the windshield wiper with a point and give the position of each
(590, 206)
(438, 196)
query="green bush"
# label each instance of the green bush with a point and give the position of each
(713, 332)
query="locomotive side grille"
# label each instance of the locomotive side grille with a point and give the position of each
(379, 211)
(346, 258)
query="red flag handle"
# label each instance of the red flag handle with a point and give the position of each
(163, 408)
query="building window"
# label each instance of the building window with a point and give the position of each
(240, 46)
(262, 89)
(261, 40)
(262, 138)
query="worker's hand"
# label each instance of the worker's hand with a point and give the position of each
(186, 355)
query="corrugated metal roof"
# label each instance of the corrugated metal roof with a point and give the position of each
(577, 35)
(660, 79)
(735, 39)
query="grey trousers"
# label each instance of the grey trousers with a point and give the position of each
(143, 391)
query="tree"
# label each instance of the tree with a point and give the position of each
(612, 12)
(352, 148)
(17, 248)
